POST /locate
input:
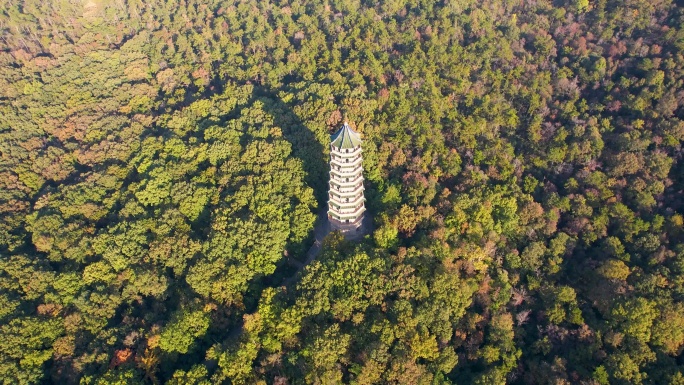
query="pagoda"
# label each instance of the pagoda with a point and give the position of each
(345, 196)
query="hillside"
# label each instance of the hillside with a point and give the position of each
(162, 164)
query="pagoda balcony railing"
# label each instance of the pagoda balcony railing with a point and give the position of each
(344, 190)
(348, 213)
(337, 218)
(347, 205)
(347, 192)
(351, 210)
(345, 157)
(345, 210)
(342, 165)
(336, 176)
(346, 162)
(347, 182)
(346, 151)
(338, 169)
(345, 199)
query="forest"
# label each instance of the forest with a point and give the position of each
(162, 164)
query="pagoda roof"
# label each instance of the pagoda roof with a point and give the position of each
(346, 138)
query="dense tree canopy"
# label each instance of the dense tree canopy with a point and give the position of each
(161, 164)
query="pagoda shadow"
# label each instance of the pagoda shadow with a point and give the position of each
(307, 148)
(305, 145)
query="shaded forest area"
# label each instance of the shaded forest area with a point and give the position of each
(161, 161)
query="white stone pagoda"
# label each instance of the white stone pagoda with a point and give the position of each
(345, 196)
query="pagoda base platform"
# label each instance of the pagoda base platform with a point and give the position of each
(354, 230)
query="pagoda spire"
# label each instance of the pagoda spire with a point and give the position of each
(346, 205)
